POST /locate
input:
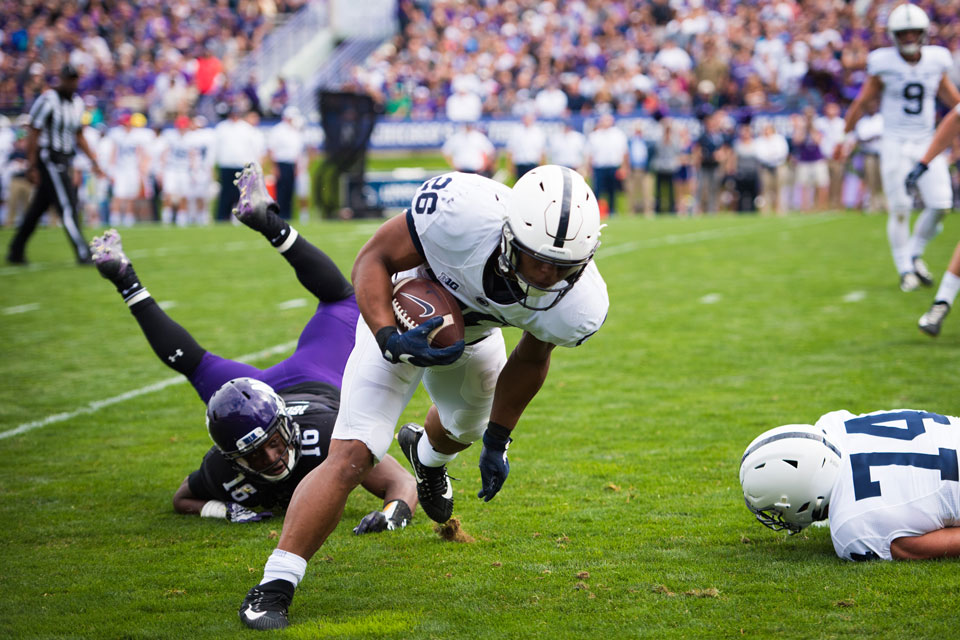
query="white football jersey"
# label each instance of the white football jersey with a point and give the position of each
(455, 220)
(178, 151)
(898, 477)
(909, 90)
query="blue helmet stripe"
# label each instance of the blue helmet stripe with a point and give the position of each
(564, 209)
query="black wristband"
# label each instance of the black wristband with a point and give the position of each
(382, 335)
(497, 433)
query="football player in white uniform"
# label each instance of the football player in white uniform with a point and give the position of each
(203, 189)
(907, 77)
(128, 161)
(888, 481)
(177, 161)
(931, 321)
(520, 257)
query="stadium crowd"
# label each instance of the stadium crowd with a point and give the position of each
(152, 57)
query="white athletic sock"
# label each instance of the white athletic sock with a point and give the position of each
(949, 286)
(283, 565)
(166, 215)
(925, 229)
(898, 233)
(430, 457)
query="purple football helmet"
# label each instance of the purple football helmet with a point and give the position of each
(243, 417)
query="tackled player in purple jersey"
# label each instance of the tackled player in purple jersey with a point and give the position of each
(270, 427)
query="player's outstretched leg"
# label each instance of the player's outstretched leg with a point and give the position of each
(173, 344)
(265, 606)
(932, 320)
(433, 485)
(315, 270)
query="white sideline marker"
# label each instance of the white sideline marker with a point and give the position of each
(855, 296)
(96, 405)
(711, 298)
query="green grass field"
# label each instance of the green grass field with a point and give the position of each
(622, 516)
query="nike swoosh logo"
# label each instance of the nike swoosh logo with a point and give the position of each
(448, 494)
(253, 615)
(428, 309)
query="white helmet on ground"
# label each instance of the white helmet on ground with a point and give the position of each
(908, 17)
(553, 217)
(787, 475)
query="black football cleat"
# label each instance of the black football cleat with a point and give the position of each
(265, 606)
(433, 485)
(931, 321)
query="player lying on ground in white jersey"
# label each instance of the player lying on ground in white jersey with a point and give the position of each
(931, 321)
(520, 257)
(888, 481)
(908, 77)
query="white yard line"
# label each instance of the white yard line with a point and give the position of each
(295, 303)
(96, 405)
(22, 308)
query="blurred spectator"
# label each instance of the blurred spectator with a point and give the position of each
(830, 126)
(568, 148)
(551, 101)
(285, 146)
(209, 72)
(639, 181)
(607, 153)
(745, 170)
(469, 150)
(709, 152)
(868, 131)
(526, 147)
(772, 153)
(463, 105)
(278, 99)
(665, 162)
(812, 177)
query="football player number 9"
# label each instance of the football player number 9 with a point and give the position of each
(945, 460)
(913, 95)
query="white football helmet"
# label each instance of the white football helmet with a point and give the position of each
(787, 475)
(908, 17)
(553, 217)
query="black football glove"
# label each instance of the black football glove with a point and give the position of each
(395, 515)
(412, 346)
(240, 514)
(914, 176)
(494, 466)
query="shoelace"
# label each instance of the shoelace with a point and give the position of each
(937, 312)
(264, 600)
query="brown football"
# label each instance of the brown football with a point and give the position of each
(416, 300)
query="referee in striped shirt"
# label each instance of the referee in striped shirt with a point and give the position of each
(53, 137)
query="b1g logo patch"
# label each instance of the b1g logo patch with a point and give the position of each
(447, 280)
